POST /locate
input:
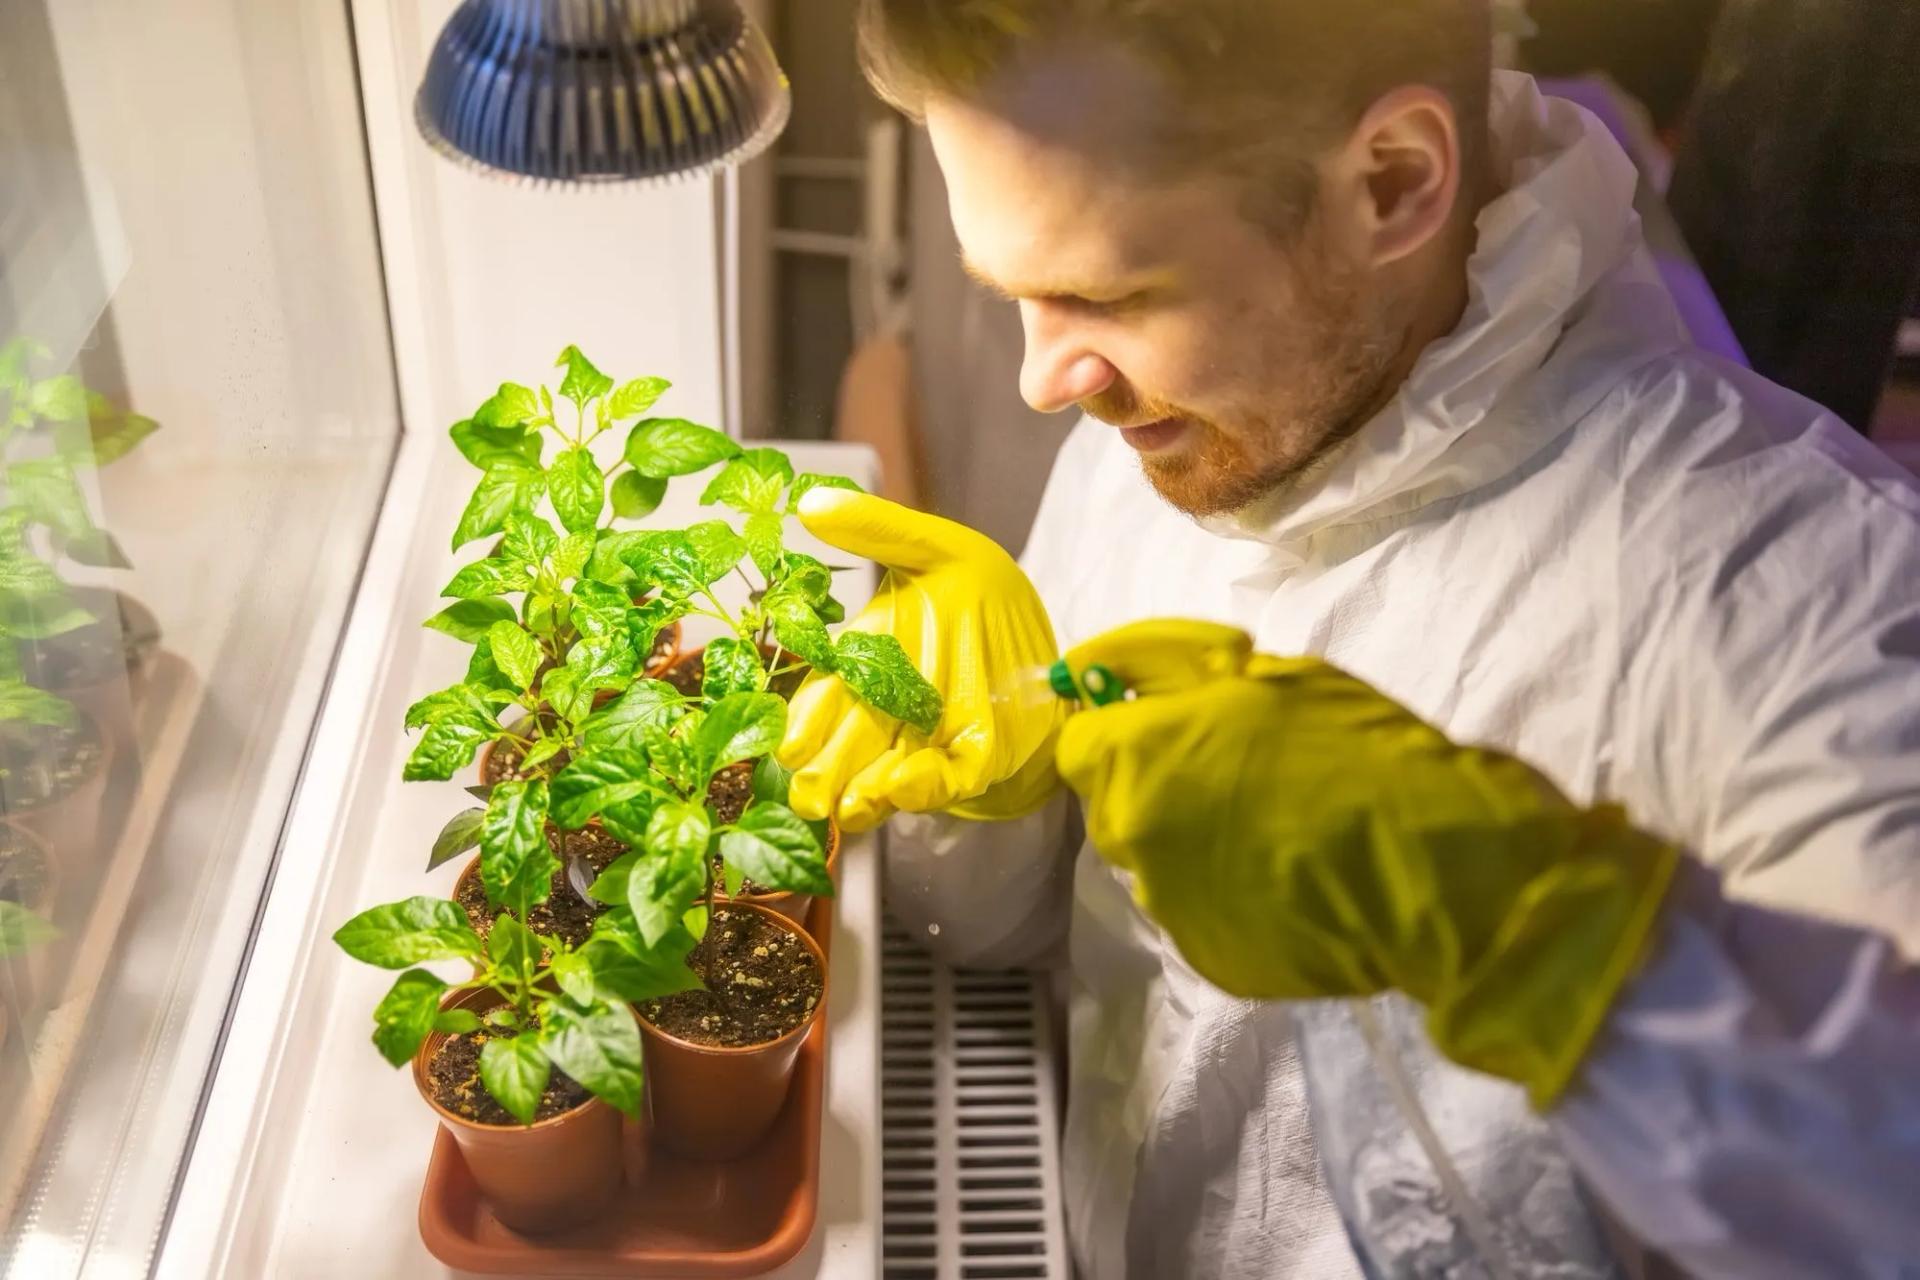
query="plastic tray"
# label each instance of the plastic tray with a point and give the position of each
(675, 1217)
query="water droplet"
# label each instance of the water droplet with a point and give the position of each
(934, 929)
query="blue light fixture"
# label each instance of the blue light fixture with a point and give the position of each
(602, 91)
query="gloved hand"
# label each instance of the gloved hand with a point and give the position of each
(1299, 835)
(972, 623)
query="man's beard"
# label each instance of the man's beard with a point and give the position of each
(1232, 463)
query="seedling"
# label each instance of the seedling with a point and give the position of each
(569, 1014)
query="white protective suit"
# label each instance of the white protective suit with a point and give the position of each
(1662, 581)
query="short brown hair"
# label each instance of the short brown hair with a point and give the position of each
(1270, 81)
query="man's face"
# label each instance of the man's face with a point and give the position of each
(1231, 360)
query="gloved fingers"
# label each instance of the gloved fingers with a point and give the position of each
(856, 742)
(868, 800)
(1264, 666)
(1167, 655)
(885, 532)
(936, 778)
(817, 708)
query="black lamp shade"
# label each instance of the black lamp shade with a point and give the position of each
(597, 91)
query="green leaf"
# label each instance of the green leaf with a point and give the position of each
(597, 780)
(61, 399)
(739, 727)
(400, 935)
(799, 629)
(673, 875)
(516, 866)
(45, 490)
(603, 662)
(565, 695)
(645, 623)
(528, 539)
(515, 1071)
(577, 488)
(511, 485)
(435, 706)
(115, 437)
(763, 542)
(666, 559)
(718, 547)
(598, 609)
(484, 445)
(540, 752)
(511, 406)
(732, 879)
(571, 556)
(747, 486)
(608, 563)
(471, 620)
(583, 382)
(482, 671)
(600, 1048)
(771, 781)
(635, 495)
(513, 948)
(574, 972)
(777, 850)
(461, 833)
(624, 723)
(660, 448)
(486, 579)
(457, 1022)
(878, 669)
(807, 481)
(515, 652)
(21, 703)
(610, 886)
(21, 928)
(732, 666)
(448, 746)
(405, 1015)
(23, 575)
(619, 975)
(636, 397)
(95, 547)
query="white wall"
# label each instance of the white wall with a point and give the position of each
(489, 279)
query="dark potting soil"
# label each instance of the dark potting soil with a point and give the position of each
(453, 1077)
(42, 764)
(762, 982)
(23, 870)
(690, 673)
(565, 914)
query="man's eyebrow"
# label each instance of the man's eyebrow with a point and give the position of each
(1057, 289)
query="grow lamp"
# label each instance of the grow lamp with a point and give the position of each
(602, 91)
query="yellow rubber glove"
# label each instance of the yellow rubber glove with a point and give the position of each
(974, 626)
(1299, 836)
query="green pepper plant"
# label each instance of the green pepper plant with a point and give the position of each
(561, 622)
(568, 1014)
(50, 429)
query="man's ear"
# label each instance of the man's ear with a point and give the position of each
(1400, 173)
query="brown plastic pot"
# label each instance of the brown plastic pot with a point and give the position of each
(715, 1103)
(548, 1176)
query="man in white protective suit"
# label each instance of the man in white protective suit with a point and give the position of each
(1504, 863)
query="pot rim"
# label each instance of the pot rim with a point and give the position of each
(460, 998)
(735, 1051)
(108, 753)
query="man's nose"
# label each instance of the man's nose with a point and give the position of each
(1060, 369)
